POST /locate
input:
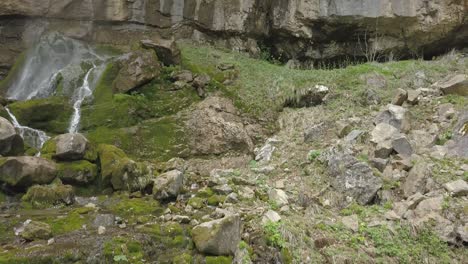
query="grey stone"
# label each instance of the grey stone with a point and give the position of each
(168, 185)
(416, 180)
(457, 188)
(400, 97)
(457, 84)
(22, 172)
(218, 237)
(351, 222)
(401, 145)
(379, 163)
(395, 116)
(413, 97)
(166, 49)
(278, 196)
(71, 146)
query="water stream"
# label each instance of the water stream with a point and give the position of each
(81, 94)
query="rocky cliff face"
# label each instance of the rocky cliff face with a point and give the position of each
(306, 30)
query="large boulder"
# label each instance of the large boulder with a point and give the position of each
(168, 185)
(11, 142)
(70, 146)
(218, 237)
(350, 176)
(166, 49)
(135, 69)
(22, 172)
(215, 128)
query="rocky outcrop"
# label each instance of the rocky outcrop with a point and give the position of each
(294, 29)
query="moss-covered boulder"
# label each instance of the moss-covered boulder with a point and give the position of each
(22, 172)
(35, 230)
(210, 237)
(77, 172)
(120, 172)
(49, 114)
(43, 196)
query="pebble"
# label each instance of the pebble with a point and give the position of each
(101, 230)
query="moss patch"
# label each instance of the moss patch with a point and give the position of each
(77, 172)
(123, 250)
(51, 114)
(44, 196)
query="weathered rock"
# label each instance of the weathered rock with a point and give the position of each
(71, 146)
(167, 50)
(104, 220)
(307, 97)
(383, 149)
(218, 237)
(413, 97)
(457, 84)
(168, 185)
(383, 132)
(401, 145)
(351, 177)
(370, 97)
(135, 69)
(215, 128)
(78, 172)
(458, 145)
(271, 216)
(354, 136)
(462, 232)
(396, 116)
(35, 230)
(43, 196)
(22, 172)
(457, 188)
(376, 81)
(314, 132)
(400, 97)
(379, 163)
(265, 153)
(277, 196)
(11, 142)
(183, 75)
(200, 82)
(416, 180)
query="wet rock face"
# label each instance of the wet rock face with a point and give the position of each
(336, 28)
(11, 142)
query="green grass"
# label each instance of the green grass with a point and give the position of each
(261, 87)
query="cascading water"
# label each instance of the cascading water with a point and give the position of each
(55, 59)
(33, 137)
(81, 94)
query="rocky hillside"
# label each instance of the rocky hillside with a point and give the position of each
(306, 31)
(229, 159)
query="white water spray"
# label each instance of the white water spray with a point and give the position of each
(33, 137)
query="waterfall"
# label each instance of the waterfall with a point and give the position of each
(52, 60)
(33, 137)
(83, 92)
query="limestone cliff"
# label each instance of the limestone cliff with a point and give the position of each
(307, 30)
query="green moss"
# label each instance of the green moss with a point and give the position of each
(184, 258)
(218, 260)
(196, 202)
(74, 220)
(216, 200)
(50, 114)
(168, 235)
(77, 172)
(44, 196)
(205, 192)
(123, 250)
(136, 207)
(109, 157)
